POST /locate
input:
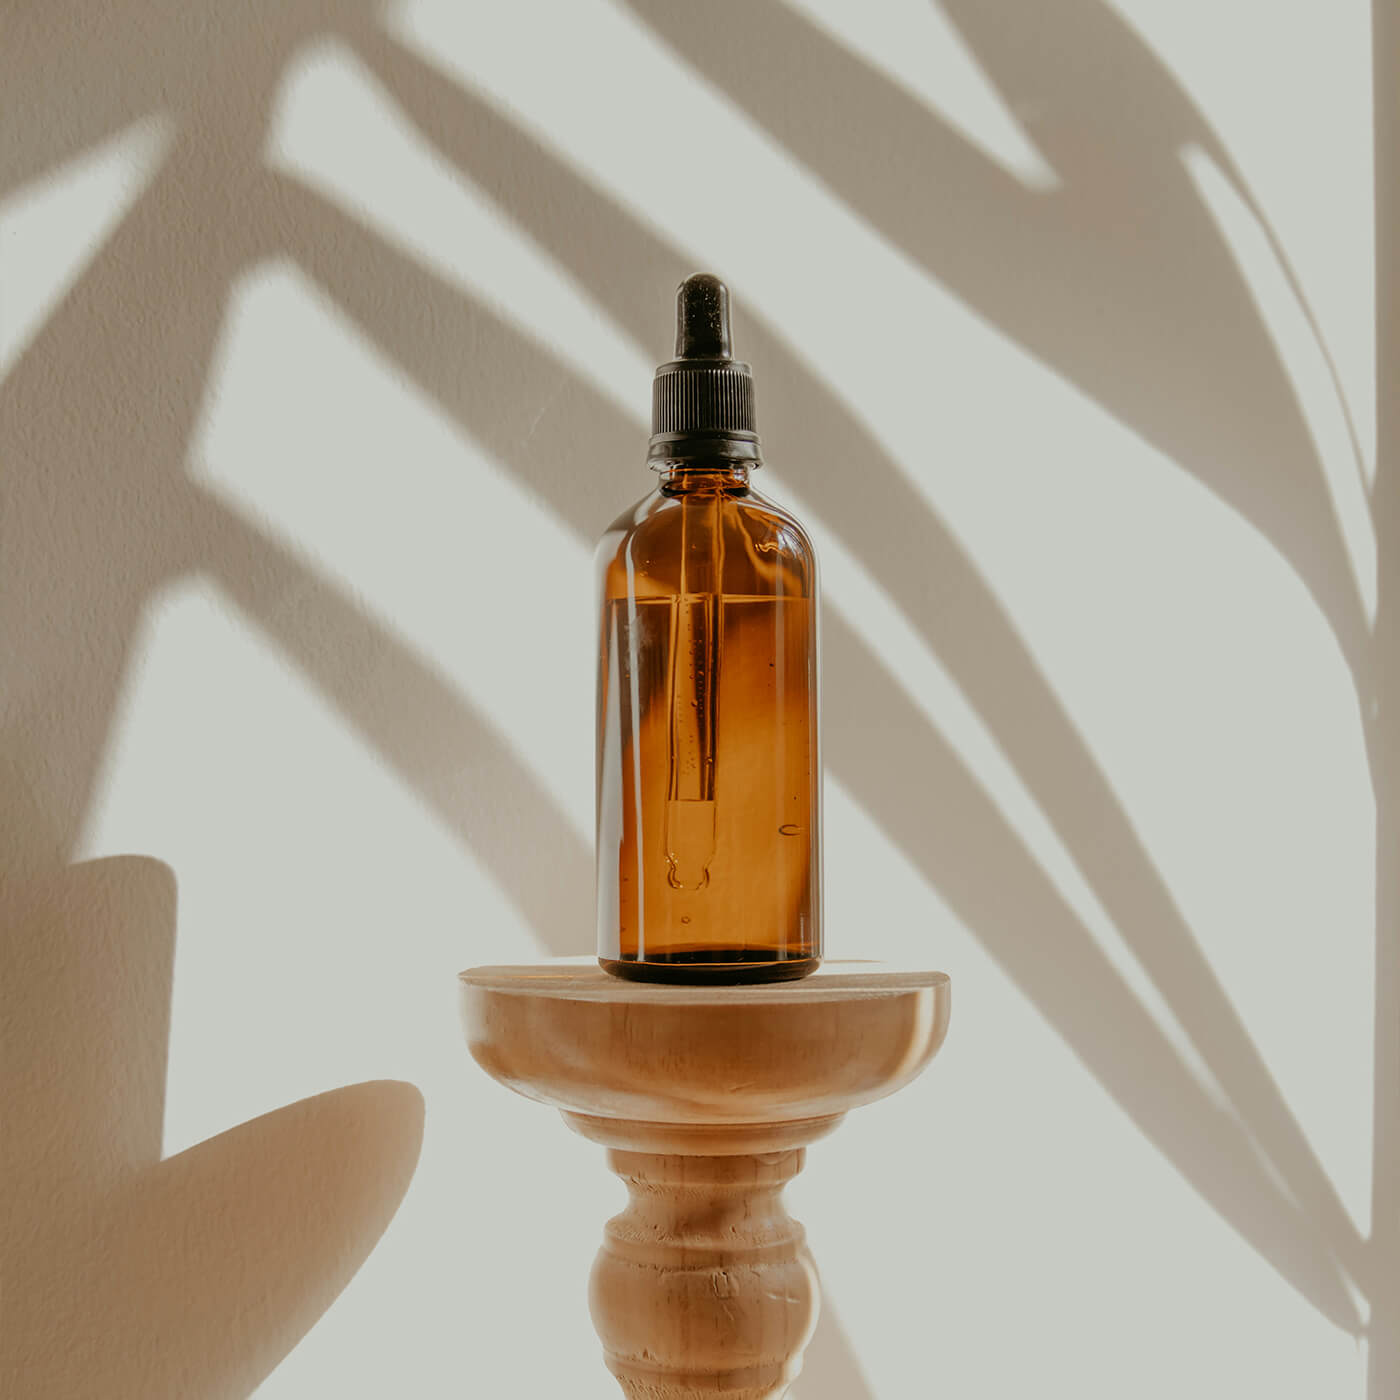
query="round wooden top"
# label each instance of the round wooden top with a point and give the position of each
(581, 979)
(566, 1033)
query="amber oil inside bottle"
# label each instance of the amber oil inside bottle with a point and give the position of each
(709, 773)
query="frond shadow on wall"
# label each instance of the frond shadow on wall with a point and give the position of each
(100, 511)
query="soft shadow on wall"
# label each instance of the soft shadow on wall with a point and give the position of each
(100, 512)
(126, 1275)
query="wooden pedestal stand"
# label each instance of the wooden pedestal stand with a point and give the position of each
(707, 1098)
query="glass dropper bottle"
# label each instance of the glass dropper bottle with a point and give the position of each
(709, 763)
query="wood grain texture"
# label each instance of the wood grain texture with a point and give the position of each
(707, 1098)
(704, 1285)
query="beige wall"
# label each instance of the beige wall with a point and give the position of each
(325, 335)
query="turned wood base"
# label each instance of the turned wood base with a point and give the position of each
(707, 1099)
(704, 1284)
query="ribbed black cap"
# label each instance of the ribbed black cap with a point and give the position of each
(702, 401)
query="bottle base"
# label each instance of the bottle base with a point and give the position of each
(712, 967)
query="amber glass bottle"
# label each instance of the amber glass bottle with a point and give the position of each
(709, 766)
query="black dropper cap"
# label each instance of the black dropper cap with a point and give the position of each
(702, 401)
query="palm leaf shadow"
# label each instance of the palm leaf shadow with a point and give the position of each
(75, 74)
(97, 518)
(103, 484)
(908, 547)
(1383, 1359)
(1034, 266)
(1118, 278)
(430, 735)
(241, 558)
(1066, 976)
(94, 507)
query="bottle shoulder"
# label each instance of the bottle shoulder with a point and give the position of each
(658, 514)
(763, 548)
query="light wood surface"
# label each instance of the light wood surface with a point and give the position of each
(707, 1097)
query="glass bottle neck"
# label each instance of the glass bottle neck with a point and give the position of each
(687, 477)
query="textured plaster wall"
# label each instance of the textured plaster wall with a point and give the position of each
(325, 338)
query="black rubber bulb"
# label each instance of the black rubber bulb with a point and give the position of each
(702, 319)
(702, 401)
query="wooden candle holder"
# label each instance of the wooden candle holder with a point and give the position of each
(707, 1098)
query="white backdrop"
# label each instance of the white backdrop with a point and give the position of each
(327, 339)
